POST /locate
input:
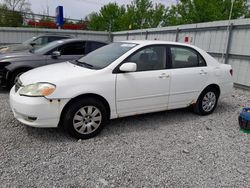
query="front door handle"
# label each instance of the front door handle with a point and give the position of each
(164, 76)
(202, 72)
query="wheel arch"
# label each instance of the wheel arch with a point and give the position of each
(87, 95)
(12, 72)
(215, 86)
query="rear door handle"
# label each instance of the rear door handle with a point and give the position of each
(164, 76)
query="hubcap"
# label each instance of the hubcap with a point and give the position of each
(209, 101)
(87, 119)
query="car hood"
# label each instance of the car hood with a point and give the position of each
(16, 56)
(57, 74)
(14, 48)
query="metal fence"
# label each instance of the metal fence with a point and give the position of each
(18, 35)
(227, 44)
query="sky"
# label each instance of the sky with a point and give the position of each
(77, 9)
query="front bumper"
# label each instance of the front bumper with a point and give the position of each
(36, 111)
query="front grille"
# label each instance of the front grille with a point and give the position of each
(18, 85)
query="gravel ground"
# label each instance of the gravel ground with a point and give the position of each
(167, 149)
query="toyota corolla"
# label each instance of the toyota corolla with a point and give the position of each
(118, 80)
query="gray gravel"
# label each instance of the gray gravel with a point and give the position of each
(167, 149)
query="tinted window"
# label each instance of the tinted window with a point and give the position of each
(185, 57)
(51, 39)
(54, 38)
(150, 58)
(96, 45)
(76, 48)
(48, 48)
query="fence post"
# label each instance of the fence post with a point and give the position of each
(111, 37)
(146, 35)
(229, 40)
(177, 34)
(127, 36)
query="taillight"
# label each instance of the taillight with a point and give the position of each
(231, 72)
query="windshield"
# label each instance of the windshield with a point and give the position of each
(104, 56)
(46, 48)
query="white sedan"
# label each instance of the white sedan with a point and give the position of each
(121, 79)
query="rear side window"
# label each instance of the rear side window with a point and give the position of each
(96, 45)
(75, 48)
(51, 39)
(183, 57)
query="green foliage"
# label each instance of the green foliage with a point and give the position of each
(109, 18)
(9, 18)
(196, 11)
(139, 14)
(144, 14)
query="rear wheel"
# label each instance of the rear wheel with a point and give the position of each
(207, 101)
(85, 118)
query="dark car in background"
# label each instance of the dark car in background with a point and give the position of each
(14, 64)
(34, 42)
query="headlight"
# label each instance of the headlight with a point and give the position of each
(38, 90)
(4, 49)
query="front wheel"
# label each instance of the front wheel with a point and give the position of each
(207, 102)
(85, 118)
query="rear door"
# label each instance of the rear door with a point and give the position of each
(189, 75)
(69, 51)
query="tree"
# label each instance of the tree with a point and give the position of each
(196, 11)
(108, 19)
(9, 18)
(139, 14)
(18, 5)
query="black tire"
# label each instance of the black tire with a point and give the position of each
(200, 108)
(73, 113)
(15, 76)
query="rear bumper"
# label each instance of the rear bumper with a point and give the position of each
(226, 89)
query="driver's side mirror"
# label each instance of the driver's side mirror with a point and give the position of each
(128, 67)
(55, 54)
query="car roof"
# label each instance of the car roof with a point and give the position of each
(148, 42)
(79, 40)
(55, 35)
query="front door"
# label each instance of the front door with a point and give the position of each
(69, 51)
(147, 89)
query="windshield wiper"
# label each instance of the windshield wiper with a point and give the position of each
(85, 64)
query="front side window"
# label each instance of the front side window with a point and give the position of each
(185, 57)
(47, 48)
(149, 58)
(39, 41)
